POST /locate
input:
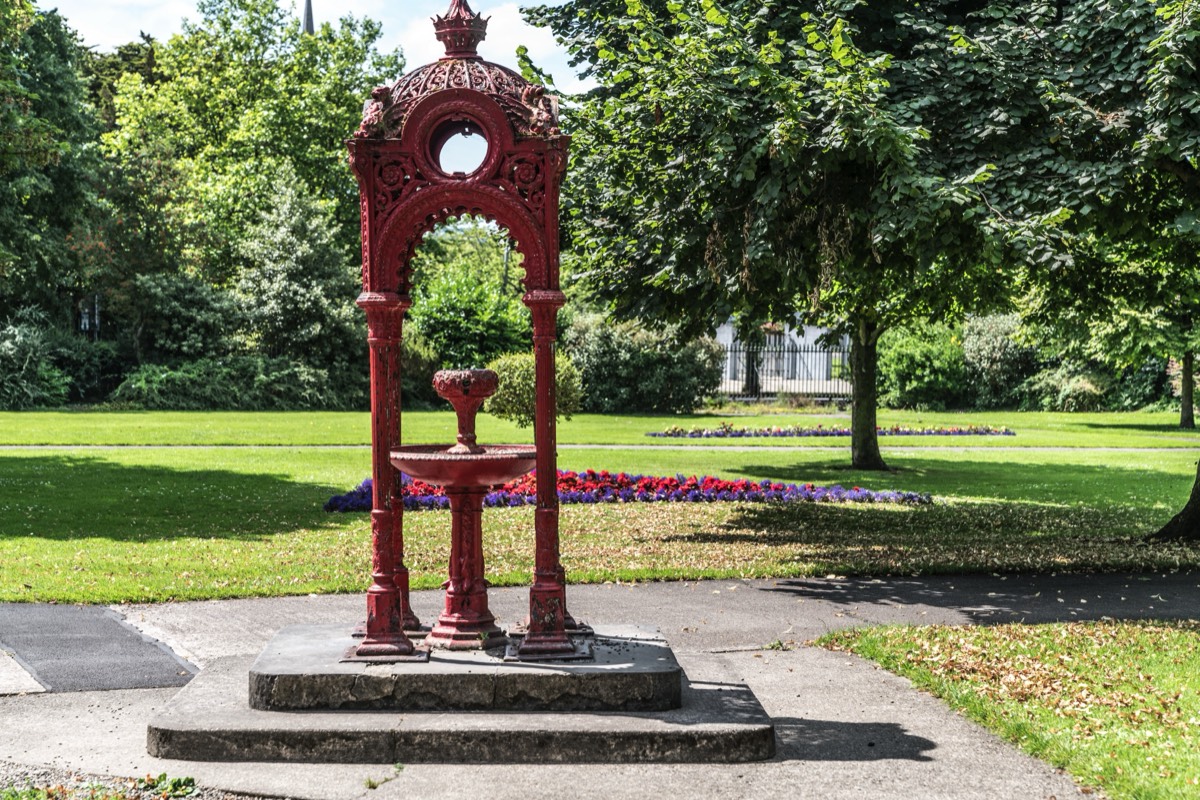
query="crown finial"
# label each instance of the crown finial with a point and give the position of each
(461, 30)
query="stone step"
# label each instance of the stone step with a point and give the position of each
(719, 720)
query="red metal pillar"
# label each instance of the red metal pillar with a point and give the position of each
(546, 634)
(387, 599)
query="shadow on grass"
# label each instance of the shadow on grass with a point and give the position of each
(63, 497)
(1110, 486)
(1145, 427)
(877, 526)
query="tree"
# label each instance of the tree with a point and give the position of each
(1184, 526)
(1129, 302)
(104, 70)
(1129, 101)
(295, 290)
(862, 165)
(49, 163)
(26, 140)
(243, 93)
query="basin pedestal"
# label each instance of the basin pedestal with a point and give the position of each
(466, 623)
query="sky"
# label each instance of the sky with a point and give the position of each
(104, 24)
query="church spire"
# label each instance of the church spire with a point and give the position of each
(308, 20)
(461, 30)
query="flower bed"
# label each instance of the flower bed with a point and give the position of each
(727, 431)
(621, 487)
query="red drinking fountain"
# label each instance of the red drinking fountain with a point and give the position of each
(466, 471)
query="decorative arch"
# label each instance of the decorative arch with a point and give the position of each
(404, 193)
(403, 231)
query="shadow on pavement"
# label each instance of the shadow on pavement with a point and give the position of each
(827, 740)
(998, 599)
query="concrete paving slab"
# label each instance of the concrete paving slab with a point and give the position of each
(719, 721)
(104, 733)
(829, 707)
(847, 730)
(632, 669)
(720, 615)
(84, 648)
(14, 678)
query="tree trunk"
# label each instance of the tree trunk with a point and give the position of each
(864, 359)
(1184, 526)
(752, 385)
(1187, 390)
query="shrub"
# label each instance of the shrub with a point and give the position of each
(93, 368)
(516, 399)
(243, 383)
(1140, 386)
(467, 322)
(28, 378)
(1069, 386)
(179, 318)
(418, 362)
(922, 367)
(626, 368)
(997, 362)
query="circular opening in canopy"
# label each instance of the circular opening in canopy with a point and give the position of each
(459, 147)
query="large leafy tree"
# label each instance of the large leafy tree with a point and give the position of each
(238, 96)
(294, 289)
(860, 164)
(1131, 95)
(48, 168)
(25, 139)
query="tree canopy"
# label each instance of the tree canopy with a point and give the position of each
(862, 165)
(858, 164)
(243, 92)
(49, 162)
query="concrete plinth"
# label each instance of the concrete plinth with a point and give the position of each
(302, 668)
(717, 719)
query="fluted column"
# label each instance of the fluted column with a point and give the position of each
(546, 633)
(387, 599)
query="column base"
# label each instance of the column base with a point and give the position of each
(385, 649)
(451, 633)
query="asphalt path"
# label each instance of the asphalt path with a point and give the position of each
(67, 648)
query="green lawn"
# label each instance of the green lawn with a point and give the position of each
(1127, 430)
(145, 524)
(1115, 704)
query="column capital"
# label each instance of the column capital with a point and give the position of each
(383, 301)
(544, 305)
(543, 298)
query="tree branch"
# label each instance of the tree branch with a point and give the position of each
(1180, 169)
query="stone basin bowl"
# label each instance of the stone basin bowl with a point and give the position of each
(495, 465)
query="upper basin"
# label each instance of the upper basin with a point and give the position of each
(434, 464)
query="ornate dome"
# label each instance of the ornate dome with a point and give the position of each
(526, 105)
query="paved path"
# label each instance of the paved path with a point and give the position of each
(708, 444)
(845, 728)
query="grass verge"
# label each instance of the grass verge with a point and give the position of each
(156, 524)
(1116, 704)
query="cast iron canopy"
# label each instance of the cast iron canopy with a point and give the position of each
(530, 112)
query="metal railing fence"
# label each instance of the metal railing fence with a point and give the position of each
(771, 370)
